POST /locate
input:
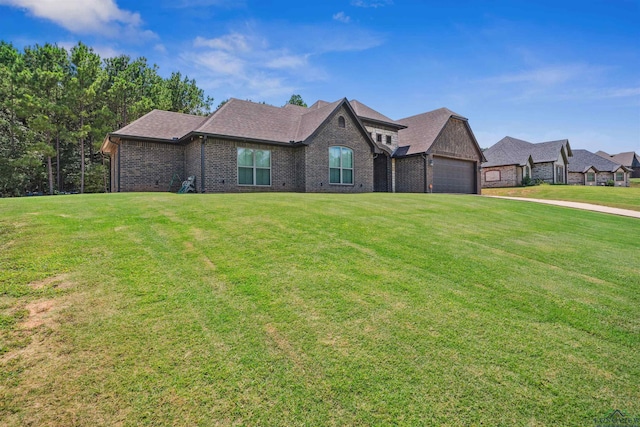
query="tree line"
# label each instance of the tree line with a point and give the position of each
(56, 106)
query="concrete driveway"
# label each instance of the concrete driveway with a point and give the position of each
(578, 205)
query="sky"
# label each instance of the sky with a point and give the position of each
(534, 70)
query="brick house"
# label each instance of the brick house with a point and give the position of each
(587, 168)
(629, 160)
(329, 147)
(510, 160)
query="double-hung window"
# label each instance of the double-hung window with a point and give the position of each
(591, 177)
(619, 176)
(254, 167)
(340, 165)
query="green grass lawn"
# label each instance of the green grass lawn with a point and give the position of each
(617, 197)
(308, 309)
(635, 182)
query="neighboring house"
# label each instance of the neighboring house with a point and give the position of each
(629, 159)
(587, 168)
(329, 147)
(511, 159)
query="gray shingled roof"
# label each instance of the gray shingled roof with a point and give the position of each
(239, 119)
(367, 113)
(582, 160)
(246, 119)
(509, 151)
(422, 131)
(629, 159)
(160, 124)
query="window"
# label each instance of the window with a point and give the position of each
(254, 167)
(591, 177)
(388, 139)
(619, 176)
(559, 174)
(490, 176)
(526, 172)
(340, 165)
(379, 137)
(341, 122)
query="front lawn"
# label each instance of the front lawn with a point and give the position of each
(309, 309)
(617, 197)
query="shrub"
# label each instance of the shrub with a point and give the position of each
(527, 181)
(610, 183)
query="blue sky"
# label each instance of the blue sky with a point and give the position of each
(534, 70)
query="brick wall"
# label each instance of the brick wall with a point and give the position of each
(149, 166)
(192, 162)
(317, 156)
(603, 177)
(221, 167)
(578, 178)
(543, 171)
(376, 128)
(510, 176)
(456, 141)
(410, 174)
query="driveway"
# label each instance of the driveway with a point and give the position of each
(578, 205)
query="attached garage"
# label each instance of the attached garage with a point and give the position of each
(438, 153)
(453, 175)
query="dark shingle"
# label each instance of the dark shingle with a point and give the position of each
(365, 112)
(159, 124)
(510, 151)
(582, 160)
(422, 130)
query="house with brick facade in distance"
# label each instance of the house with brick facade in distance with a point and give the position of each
(510, 160)
(587, 168)
(342, 146)
(629, 159)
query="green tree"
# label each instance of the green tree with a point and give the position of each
(297, 100)
(47, 69)
(184, 96)
(84, 90)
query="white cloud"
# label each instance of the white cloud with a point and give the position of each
(341, 17)
(546, 76)
(621, 92)
(219, 62)
(287, 61)
(231, 42)
(245, 65)
(203, 3)
(257, 62)
(84, 16)
(372, 3)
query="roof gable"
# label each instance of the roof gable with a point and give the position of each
(422, 131)
(583, 160)
(629, 159)
(509, 151)
(369, 114)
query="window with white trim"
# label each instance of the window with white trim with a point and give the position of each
(340, 165)
(619, 176)
(254, 167)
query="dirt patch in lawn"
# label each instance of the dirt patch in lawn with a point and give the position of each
(60, 281)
